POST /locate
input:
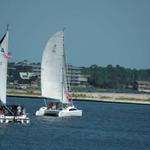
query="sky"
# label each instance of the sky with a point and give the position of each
(100, 32)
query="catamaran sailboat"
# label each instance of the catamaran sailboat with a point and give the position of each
(8, 113)
(54, 83)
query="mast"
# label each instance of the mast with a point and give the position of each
(63, 69)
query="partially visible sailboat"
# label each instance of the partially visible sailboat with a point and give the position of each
(8, 113)
(54, 83)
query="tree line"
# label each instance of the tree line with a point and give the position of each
(117, 77)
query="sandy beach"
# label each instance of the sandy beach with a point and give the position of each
(114, 97)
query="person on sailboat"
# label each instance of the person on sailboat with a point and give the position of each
(69, 97)
(2, 111)
(19, 110)
(50, 105)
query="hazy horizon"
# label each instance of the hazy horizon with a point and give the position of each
(30, 62)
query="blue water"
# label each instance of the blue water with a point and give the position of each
(103, 126)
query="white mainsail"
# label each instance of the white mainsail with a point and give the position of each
(53, 74)
(3, 67)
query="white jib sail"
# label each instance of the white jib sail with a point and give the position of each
(3, 67)
(53, 76)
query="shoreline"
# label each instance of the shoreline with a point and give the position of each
(95, 97)
(114, 97)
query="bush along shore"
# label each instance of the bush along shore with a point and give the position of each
(90, 96)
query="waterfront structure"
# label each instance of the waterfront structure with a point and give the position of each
(25, 73)
(143, 86)
(77, 79)
(36, 69)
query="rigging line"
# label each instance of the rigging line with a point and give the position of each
(66, 70)
(45, 102)
(7, 107)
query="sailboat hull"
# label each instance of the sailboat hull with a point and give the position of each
(69, 111)
(14, 119)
